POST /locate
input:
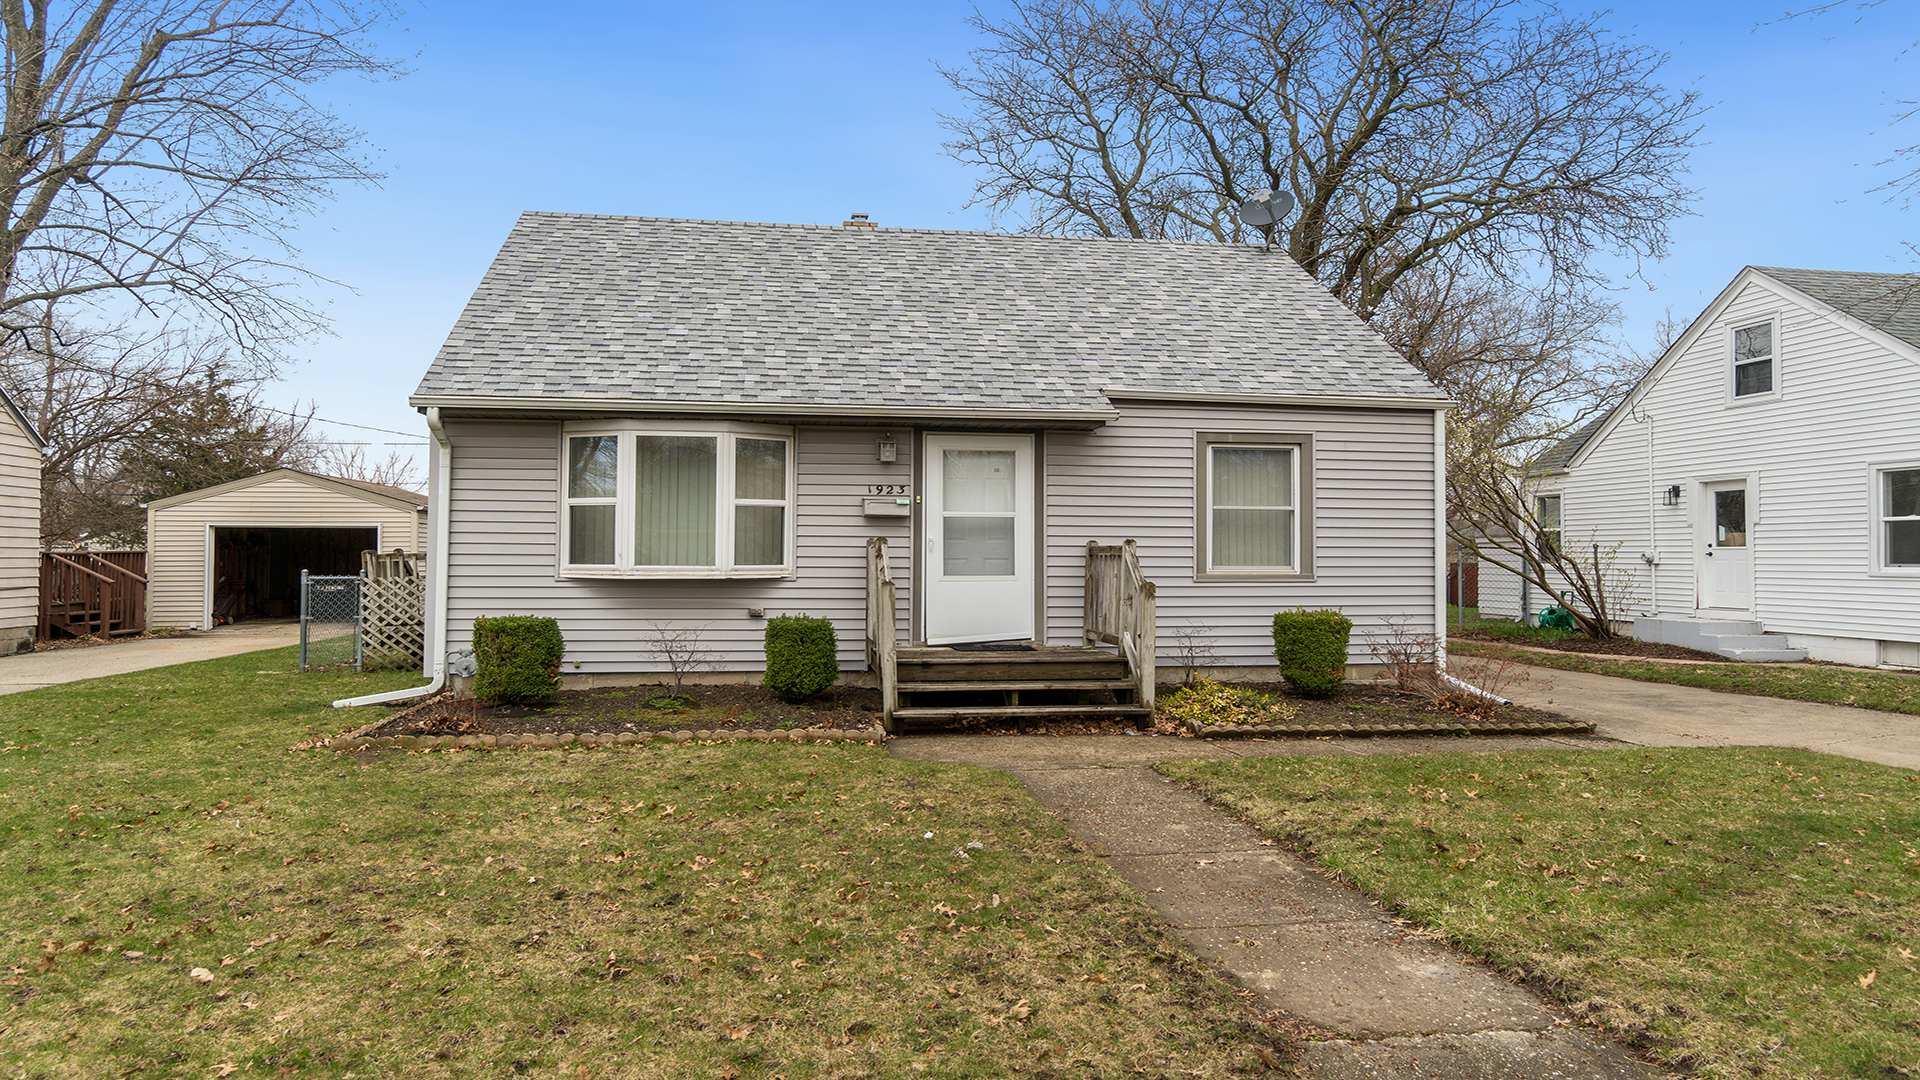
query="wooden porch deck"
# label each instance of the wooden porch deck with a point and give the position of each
(923, 685)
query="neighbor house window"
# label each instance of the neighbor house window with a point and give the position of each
(1546, 519)
(1900, 518)
(1753, 360)
(1254, 503)
(686, 501)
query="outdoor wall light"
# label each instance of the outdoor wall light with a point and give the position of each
(888, 449)
(1671, 496)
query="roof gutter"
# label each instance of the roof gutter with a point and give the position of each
(783, 408)
(438, 566)
(1345, 401)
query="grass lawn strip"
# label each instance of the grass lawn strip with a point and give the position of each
(1886, 691)
(740, 911)
(1736, 912)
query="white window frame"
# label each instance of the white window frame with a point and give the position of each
(1558, 532)
(1772, 322)
(725, 434)
(1877, 502)
(1302, 447)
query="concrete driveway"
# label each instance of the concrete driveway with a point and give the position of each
(31, 671)
(1659, 714)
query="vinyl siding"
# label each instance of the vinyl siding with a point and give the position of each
(19, 527)
(1373, 522)
(177, 535)
(1373, 536)
(1846, 403)
(504, 537)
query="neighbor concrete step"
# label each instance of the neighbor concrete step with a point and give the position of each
(1758, 656)
(1735, 639)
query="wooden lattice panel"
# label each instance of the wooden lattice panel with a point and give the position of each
(392, 609)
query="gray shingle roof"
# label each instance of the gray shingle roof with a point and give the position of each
(654, 310)
(1562, 452)
(1888, 302)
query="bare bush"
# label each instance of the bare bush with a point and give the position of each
(1416, 663)
(682, 646)
(1193, 652)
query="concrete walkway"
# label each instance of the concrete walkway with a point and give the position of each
(1397, 1005)
(31, 671)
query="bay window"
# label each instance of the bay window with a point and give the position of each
(701, 500)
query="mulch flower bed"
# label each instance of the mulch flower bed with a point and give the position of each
(643, 710)
(1612, 647)
(1379, 708)
(730, 710)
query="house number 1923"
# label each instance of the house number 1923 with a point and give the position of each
(886, 489)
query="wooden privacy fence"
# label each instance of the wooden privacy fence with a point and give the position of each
(393, 609)
(1463, 584)
(92, 594)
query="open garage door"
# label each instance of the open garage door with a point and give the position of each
(256, 571)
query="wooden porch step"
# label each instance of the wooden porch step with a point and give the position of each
(1019, 684)
(924, 713)
(1039, 654)
(927, 664)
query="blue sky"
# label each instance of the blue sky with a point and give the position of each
(805, 112)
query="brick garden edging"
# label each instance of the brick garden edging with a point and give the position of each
(551, 741)
(1505, 727)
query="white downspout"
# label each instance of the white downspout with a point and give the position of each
(438, 560)
(1440, 561)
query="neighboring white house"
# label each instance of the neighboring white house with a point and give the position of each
(21, 452)
(1764, 477)
(702, 423)
(235, 551)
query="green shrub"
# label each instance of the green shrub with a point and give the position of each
(801, 656)
(518, 658)
(1312, 649)
(1209, 702)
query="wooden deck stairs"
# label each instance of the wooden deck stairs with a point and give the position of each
(928, 685)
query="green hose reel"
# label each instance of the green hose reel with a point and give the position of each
(1557, 617)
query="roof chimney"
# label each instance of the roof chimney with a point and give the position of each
(859, 222)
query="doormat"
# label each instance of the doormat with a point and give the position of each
(994, 646)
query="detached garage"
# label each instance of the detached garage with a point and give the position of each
(235, 551)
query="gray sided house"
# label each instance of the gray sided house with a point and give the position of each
(696, 424)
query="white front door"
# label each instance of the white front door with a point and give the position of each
(977, 573)
(1726, 562)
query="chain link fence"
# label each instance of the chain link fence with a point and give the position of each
(329, 621)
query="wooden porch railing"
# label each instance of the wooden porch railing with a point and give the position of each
(92, 593)
(882, 655)
(1120, 609)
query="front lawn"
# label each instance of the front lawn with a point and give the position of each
(1888, 691)
(181, 896)
(1737, 912)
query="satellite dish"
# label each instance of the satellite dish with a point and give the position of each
(1265, 208)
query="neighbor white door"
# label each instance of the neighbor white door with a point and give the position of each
(1726, 562)
(977, 573)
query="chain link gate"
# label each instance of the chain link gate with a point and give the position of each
(329, 621)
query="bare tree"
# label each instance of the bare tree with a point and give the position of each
(155, 155)
(1496, 513)
(1408, 132)
(1456, 166)
(352, 462)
